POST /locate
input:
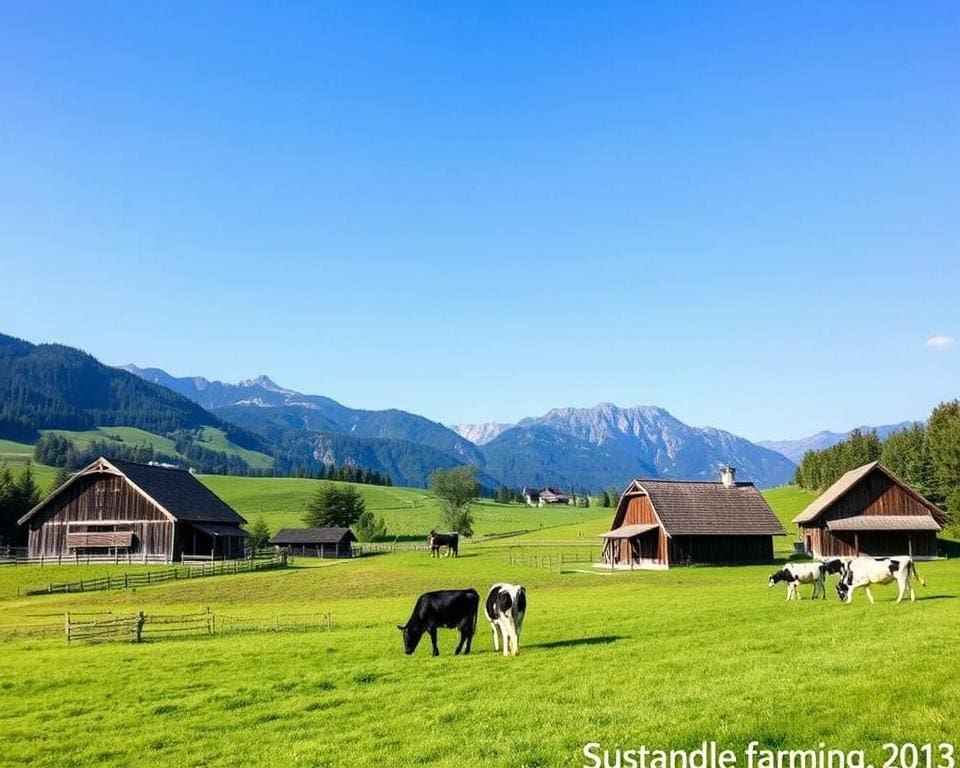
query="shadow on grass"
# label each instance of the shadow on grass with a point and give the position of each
(578, 641)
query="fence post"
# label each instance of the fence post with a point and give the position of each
(329, 627)
(125, 580)
(209, 621)
(66, 625)
(141, 619)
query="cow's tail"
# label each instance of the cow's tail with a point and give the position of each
(917, 576)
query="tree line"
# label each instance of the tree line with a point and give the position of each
(927, 456)
(56, 450)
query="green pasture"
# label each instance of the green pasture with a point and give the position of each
(409, 512)
(12, 451)
(662, 658)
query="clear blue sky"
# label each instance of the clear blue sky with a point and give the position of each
(747, 214)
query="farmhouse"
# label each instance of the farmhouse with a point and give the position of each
(660, 523)
(870, 511)
(315, 542)
(544, 496)
(120, 510)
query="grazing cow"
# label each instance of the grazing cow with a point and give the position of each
(795, 574)
(449, 608)
(831, 567)
(864, 571)
(505, 608)
(449, 540)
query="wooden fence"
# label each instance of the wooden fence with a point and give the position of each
(149, 578)
(145, 627)
(551, 562)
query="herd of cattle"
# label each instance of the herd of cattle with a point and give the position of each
(506, 604)
(854, 572)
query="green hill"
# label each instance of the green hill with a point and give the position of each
(408, 512)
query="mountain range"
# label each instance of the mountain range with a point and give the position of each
(51, 386)
(583, 448)
(794, 449)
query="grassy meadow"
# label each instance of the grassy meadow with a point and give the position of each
(662, 658)
(665, 659)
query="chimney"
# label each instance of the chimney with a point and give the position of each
(728, 475)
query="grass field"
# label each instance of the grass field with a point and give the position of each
(408, 511)
(666, 659)
(210, 437)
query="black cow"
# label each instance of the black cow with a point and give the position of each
(449, 540)
(449, 608)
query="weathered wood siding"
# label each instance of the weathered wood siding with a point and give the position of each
(102, 500)
(876, 494)
(637, 510)
(326, 551)
(690, 550)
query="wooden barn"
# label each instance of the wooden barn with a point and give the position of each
(660, 523)
(870, 512)
(315, 542)
(128, 512)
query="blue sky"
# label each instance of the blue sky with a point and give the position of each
(747, 214)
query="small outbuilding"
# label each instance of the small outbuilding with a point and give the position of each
(870, 512)
(660, 523)
(315, 542)
(129, 512)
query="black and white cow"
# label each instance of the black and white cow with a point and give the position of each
(449, 608)
(795, 574)
(831, 567)
(505, 608)
(864, 571)
(449, 540)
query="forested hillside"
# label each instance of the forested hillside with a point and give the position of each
(925, 456)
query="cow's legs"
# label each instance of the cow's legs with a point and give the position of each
(433, 640)
(496, 636)
(507, 639)
(469, 631)
(869, 594)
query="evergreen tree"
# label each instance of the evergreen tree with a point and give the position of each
(370, 527)
(334, 505)
(259, 534)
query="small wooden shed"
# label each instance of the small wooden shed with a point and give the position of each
(870, 512)
(660, 523)
(315, 542)
(124, 511)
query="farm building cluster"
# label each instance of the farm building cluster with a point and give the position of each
(867, 512)
(133, 512)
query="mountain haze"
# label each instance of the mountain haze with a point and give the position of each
(794, 449)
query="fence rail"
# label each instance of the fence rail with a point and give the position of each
(149, 578)
(144, 627)
(551, 562)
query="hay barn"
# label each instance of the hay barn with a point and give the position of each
(128, 512)
(660, 523)
(871, 512)
(315, 542)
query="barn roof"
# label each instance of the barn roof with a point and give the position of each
(884, 523)
(850, 480)
(312, 536)
(692, 508)
(174, 490)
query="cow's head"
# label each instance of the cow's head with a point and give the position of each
(411, 637)
(843, 591)
(777, 577)
(431, 535)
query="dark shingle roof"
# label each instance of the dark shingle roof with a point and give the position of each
(179, 492)
(312, 536)
(176, 490)
(707, 509)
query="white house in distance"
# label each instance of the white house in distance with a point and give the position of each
(542, 497)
